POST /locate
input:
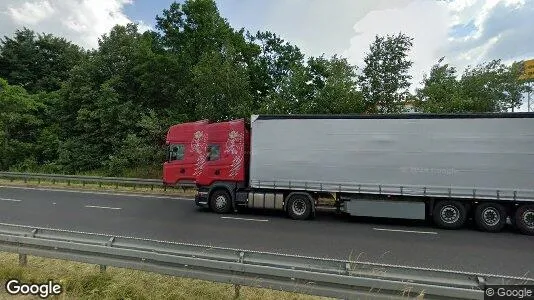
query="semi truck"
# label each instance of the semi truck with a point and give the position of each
(442, 168)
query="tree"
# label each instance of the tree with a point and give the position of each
(222, 87)
(488, 87)
(492, 87)
(385, 78)
(441, 92)
(19, 126)
(194, 33)
(334, 84)
(102, 101)
(39, 63)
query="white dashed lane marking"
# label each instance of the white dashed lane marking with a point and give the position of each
(405, 231)
(11, 200)
(245, 219)
(103, 207)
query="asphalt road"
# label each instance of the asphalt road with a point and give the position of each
(166, 218)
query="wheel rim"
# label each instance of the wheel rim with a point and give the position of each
(450, 214)
(491, 216)
(220, 202)
(528, 218)
(298, 207)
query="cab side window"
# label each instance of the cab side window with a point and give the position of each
(176, 152)
(213, 152)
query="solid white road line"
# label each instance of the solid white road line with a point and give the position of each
(12, 200)
(103, 207)
(245, 219)
(406, 231)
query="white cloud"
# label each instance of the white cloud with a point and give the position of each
(315, 26)
(422, 20)
(496, 29)
(31, 13)
(80, 21)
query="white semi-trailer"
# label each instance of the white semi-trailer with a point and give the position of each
(412, 166)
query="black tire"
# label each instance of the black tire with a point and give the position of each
(220, 202)
(490, 217)
(524, 219)
(299, 207)
(449, 214)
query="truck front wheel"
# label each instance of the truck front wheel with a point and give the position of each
(490, 217)
(220, 202)
(299, 207)
(524, 219)
(450, 214)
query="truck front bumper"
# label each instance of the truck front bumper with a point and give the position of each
(201, 198)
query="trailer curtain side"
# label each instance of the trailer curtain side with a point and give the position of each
(471, 157)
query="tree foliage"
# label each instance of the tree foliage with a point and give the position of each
(385, 79)
(37, 62)
(488, 87)
(65, 109)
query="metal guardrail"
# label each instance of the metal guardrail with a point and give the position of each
(91, 179)
(308, 275)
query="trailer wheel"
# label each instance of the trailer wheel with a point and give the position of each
(220, 202)
(450, 214)
(490, 217)
(524, 219)
(299, 207)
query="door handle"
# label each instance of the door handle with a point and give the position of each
(182, 171)
(217, 172)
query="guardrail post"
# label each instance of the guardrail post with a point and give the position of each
(99, 184)
(348, 268)
(151, 187)
(237, 287)
(25, 179)
(116, 185)
(23, 259)
(107, 244)
(68, 182)
(39, 180)
(481, 282)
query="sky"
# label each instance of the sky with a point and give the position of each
(465, 32)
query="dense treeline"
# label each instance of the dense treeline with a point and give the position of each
(69, 110)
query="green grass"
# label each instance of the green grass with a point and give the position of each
(84, 281)
(158, 190)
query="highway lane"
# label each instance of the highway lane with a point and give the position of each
(171, 219)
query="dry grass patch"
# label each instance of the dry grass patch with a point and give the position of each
(84, 281)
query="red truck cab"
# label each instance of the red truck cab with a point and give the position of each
(225, 172)
(214, 156)
(225, 153)
(186, 158)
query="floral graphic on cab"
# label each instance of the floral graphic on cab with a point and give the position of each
(198, 146)
(235, 147)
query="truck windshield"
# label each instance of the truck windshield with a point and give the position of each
(176, 152)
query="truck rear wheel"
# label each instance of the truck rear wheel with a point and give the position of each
(449, 214)
(299, 207)
(220, 202)
(524, 219)
(490, 217)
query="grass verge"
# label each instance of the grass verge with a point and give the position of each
(156, 190)
(84, 281)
